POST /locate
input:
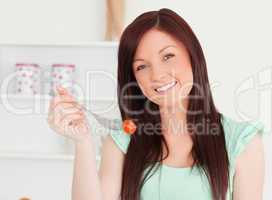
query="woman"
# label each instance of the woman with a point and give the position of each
(196, 152)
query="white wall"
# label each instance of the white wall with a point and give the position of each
(235, 36)
(51, 21)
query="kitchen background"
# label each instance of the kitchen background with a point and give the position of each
(80, 37)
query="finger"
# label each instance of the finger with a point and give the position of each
(55, 116)
(75, 116)
(84, 127)
(72, 131)
(75, 133)
(62, 90)
(65, 107)
(58, 117)
(59, 98)
(61, 107)
(80, 130)
(66, 124)
(62, 129)
(63, 96)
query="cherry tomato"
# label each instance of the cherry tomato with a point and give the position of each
(129, 126)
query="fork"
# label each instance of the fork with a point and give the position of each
(114, 124)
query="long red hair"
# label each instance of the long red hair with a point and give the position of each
(209, 150)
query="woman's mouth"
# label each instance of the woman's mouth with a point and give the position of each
(166, 87)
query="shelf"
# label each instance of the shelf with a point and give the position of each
(41, 156)
(19, 96)
(97, 56)
(46, 97)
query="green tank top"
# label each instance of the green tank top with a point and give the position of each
(181, 183)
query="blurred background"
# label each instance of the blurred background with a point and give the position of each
(75, 42)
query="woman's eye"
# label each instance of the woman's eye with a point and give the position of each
(168, 56)
(140, 67)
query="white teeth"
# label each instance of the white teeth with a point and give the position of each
(166, 87)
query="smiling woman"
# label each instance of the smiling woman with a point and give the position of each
(161, 55)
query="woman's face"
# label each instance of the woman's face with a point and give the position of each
(163, 69)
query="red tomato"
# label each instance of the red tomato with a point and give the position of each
(129, 126)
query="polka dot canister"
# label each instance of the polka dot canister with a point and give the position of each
(27, 78)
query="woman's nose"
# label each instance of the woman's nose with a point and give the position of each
(157, 75)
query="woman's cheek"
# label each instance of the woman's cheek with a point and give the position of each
(186, 86)
(142, 86)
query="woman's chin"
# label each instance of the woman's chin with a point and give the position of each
(176, 103)
(169, 103)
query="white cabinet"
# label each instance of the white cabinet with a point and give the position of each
(35, 162)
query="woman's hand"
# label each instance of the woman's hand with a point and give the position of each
(66, 116)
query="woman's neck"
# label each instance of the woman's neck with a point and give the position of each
(179, 142)
(174, 120)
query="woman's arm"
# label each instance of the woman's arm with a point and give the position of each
(249, 175)
(65, 118)
(110, 170)
(86, 184)
(90, 185)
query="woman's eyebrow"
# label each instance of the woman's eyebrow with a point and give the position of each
(139, 59)
(166, 48)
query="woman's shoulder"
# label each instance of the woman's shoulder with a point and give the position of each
(121, 139)
(239, 133)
